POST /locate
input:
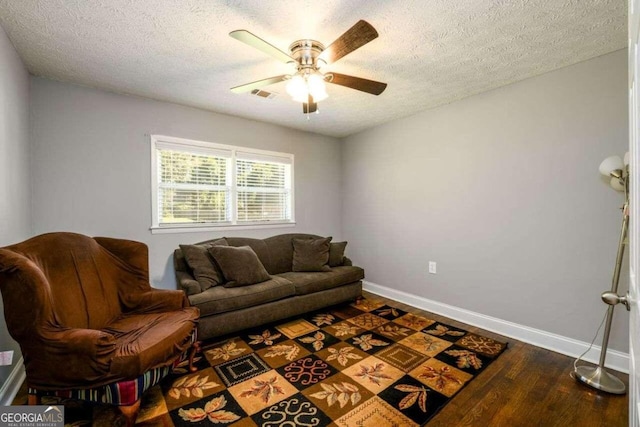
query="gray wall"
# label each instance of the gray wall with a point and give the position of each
(15, 186)
(91, 166)
(502, 190)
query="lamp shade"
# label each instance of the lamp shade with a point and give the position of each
(317, 87)
(616, 184)
(626, 158)
(297, 88)
(610, 164)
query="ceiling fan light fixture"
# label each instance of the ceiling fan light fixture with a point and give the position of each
(299, 87)
(317, 88)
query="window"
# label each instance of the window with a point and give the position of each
(200, 185)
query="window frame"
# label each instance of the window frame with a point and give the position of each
(233, 224)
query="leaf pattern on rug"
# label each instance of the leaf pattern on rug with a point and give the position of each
(264, 389)
(339, 392)
(466, 358)
(226, 351)
(366, 305)
(373, 373)
(394, 330)
(323, 319)
(443, 376)
(183, 367)
(265, 338)
(441, 330)
(212, 410)
(430, 344)
(317, 340)
(416, 394)
(388, 311)
(481, 344)
(288, 351)
(413, 321)
(342, 355)
(191, 386)
(345, 329)
(366, 342)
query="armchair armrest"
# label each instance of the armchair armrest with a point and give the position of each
(156, 301)
(68, 357)
(91, 343)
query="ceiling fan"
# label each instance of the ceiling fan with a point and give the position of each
(307, 83)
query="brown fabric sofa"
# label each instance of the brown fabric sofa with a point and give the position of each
(224, 310)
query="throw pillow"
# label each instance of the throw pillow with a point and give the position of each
(336, 254)
(311, 254)
(240, 265)
(204, 269)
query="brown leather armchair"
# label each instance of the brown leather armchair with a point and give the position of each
(88, 323)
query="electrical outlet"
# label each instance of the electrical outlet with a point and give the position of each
(6, 358)
(432, 267)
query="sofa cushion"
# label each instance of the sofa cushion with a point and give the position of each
(311, 254)
(280, 249)
(204, 269)
(240, 266)
(307, 283)
(336, 253)
(220, 300)
(258, 245)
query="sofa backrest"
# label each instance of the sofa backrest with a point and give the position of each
(275, 253)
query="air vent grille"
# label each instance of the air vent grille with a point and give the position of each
(263, 94)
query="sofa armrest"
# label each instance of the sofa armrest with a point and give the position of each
(188, 284)
(347, 262)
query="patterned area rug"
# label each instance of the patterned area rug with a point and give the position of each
(365, 364)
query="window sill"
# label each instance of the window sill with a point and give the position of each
(226, 227)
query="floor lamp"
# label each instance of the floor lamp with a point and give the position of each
(597, 377)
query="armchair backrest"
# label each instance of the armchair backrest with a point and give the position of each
(70, 280)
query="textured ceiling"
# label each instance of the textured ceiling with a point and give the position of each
(429, 52)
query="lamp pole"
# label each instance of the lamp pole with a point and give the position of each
(598, 377)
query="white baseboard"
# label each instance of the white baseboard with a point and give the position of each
(616, 360)
(11, 387)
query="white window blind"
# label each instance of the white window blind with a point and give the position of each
(193, 188)
(263, 191)
(198, 184)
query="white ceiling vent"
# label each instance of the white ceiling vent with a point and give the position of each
(263, 94)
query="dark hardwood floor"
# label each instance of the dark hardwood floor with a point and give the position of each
(526, 386)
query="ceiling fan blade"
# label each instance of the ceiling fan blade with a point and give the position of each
(256, 42)
(257, 84)
(370, 86)
(310, 107)
(358, 35)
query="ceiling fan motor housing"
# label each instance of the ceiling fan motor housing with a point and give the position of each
(306, 53)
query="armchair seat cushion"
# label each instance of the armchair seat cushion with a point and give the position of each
(311, 282)
(220, 299)
(147, 341)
